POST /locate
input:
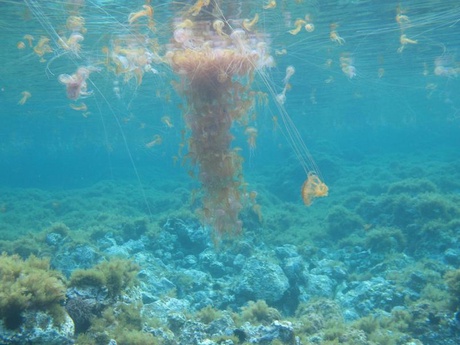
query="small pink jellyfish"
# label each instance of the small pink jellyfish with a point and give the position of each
(350, 71)
(76, 86)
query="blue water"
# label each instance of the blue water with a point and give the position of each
(365, 95)
(44, 141)
(373, 109)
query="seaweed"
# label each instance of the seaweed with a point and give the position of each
(116, 275)
(208, 314)
(452, 279)
(121, 322)
(260, 312)
(342, 222)
(385, 240)
(29, 285)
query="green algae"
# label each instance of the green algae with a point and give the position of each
(341, 222)
(385, 240)
(259, 313)
(122, 322)
(116, 275)
(29, 285)
(452, 279)
(208, 314)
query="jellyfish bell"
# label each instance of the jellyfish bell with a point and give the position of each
(290, 70)
(73, 85)
(310, 27)
(218, 26)
(350, 71)
(240, 42)
(182, 35)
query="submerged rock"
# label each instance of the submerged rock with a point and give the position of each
(363, 298)
(262, 280)
(39, 328)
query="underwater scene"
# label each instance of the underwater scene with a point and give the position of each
(207, 172)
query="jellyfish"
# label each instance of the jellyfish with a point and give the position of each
(76, 85)
(43, 46)
(290, 70)
(30, 39)
(79, 107)
(251, 134)
(281, 97)
(157, 140)
(249, 24)
(313, 188)
(298, 26)
(167, 121)
(25, 96)
(216, 81)
(270, 4)
(73, 42)
(147, 12)
(444, 67)
(404, 40)
(334, 36)
(309, 27)
(76, 24)
(196, 8)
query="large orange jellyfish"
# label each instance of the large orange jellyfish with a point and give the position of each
(313, 188)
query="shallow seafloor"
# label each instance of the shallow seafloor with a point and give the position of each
(373, 263)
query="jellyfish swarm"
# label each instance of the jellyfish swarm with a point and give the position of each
(216, 70)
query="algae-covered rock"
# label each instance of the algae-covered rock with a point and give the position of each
(385, 240)
(260, 313)
(31, 298)
(29, 285)
(452, 279)
(39, 328)
(115, 275)
(262, 280)
(341, 222)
